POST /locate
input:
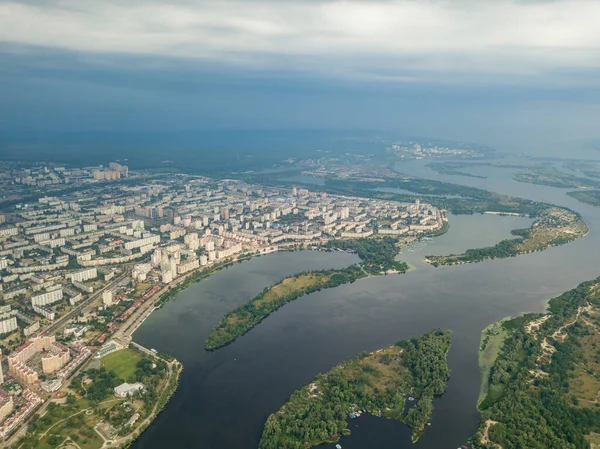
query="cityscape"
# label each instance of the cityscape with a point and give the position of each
(81, 270)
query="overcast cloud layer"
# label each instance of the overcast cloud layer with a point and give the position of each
(442, 41)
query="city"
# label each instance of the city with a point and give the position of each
(81, 269)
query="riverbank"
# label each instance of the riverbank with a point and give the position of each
(545, 377)
(492, 339)
(397, 382)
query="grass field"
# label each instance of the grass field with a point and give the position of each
(290, 285)
(123, 363)
(492, 339)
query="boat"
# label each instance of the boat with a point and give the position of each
(337, 446)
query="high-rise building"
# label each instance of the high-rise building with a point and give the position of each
(107, 298)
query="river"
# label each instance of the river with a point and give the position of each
(225, 396)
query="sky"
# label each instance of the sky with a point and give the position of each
(489, 70)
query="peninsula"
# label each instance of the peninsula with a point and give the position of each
(397, 382)
(377, 257)
(553, 226)
(543, 386)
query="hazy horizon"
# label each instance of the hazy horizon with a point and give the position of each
(521, 76)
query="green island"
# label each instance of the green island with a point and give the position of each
(591, 197)
(588, 168)
(89, 414)
(548, 176)
(452, 168)
(377, 257)
(543, 388)
(553, 226)
(378, 383)
(242, 319)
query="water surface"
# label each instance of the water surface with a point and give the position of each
(225, 396)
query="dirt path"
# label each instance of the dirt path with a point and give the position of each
(58, 422)
(533, 326)
(485, 438)
(560, 329)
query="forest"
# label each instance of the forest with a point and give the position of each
(544, 384)
(591, 197)
(378, 382)
(377, 255)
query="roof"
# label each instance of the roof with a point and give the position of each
(127, 388)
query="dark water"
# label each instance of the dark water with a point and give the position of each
(225, 396)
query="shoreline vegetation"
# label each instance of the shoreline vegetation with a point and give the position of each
(381, 383)
(544, 385)
(448, 168)
(552, 177)
(591, 197)
(242, 319)
(492, 339)
(553, 226)
(377, 257)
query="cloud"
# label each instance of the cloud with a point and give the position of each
(426, 40)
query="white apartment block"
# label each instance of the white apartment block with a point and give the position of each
(83, 275)
(41, 237)
(188, 266)
(54, 243)
(47, 298)
(9, 325)
(107, 298)
(142, 242)
(45, 312)
(8, 232)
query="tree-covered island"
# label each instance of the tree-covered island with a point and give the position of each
(543, 388)
(591, 197)
(377, 255)
(240, 320)
(380, 382)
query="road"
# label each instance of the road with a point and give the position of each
(65, 318)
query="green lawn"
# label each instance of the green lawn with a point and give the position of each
(123, 363)
(488, 356)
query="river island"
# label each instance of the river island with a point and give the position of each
(397, 382)
(377, 257)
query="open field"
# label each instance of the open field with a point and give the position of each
(123, 363)
(492, 339)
